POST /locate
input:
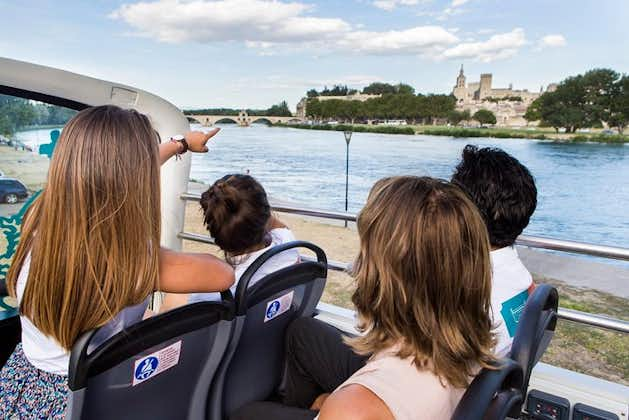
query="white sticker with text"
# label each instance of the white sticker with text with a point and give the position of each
(155, 363)
(278, 306)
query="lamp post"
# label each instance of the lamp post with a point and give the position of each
(348, 138)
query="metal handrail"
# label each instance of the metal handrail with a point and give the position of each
(524, 240)
(567, 314)
(530, 241)
(206, 239)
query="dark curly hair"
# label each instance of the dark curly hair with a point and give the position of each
(502, 188)
(236, 213)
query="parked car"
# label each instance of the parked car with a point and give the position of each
(12, 190)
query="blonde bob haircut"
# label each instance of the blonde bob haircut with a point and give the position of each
(93, 233)
(423, 278)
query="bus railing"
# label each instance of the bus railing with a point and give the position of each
(524, 240)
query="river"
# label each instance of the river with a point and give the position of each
(583, 188)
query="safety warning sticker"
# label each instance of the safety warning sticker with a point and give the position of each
(155, 363)
(278, 306)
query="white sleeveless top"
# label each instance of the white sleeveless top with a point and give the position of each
(44, 352)
(409, 393)
(511, 284)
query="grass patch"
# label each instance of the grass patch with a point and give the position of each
(601, 138)
(480, 132)
(589, 350)
(382, 129)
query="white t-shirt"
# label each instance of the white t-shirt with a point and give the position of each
(397, 383)
(44, 352)
(284, 259)
(511, 285)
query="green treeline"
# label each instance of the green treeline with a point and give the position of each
(376, 88)
(382, 129)
(586, 100)
(403, 106)
(18, 113)
(279, 110)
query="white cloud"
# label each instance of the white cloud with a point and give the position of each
(392, 4)
(418, 40)
(177, 21)
(457, 3)
(496, 47)
(551, 41)
(287, 27)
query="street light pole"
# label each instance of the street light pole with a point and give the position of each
(348, 138)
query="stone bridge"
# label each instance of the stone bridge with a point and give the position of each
(242, 119)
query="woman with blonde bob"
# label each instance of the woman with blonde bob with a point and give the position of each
(89, 254)
(423, 284)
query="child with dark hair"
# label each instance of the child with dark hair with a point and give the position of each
(504, 191)
(238, 216)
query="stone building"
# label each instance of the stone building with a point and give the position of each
(508, 104)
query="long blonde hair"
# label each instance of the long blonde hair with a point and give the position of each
(94, 231)
(423, 278)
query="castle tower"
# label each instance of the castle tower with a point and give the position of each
(484, 90)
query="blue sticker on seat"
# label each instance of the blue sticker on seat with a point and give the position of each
(512, 309)
(146, 368)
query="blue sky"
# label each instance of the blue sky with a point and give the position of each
(254, 53)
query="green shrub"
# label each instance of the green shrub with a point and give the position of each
(382, 129)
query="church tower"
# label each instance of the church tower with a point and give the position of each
(460, 81)
(460, 91)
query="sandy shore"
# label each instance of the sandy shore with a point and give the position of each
(30, 168)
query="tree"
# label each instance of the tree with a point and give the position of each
(533, 112)
(484, 116)
(455, 117)
(279, 110)
(598, 89)
(619, 105)
(313, 108)
(312, 93)
(378, 88)
(579, 101)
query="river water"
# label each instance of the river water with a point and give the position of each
(583, 189)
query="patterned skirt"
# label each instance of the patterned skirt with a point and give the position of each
(29, 393)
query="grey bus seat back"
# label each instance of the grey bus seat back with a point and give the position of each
(161, 367)
(254, 362)
(535, 330)
(10, 332)
(492, 394)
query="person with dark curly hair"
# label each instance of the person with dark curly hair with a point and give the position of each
(237, 214)
(504, 191)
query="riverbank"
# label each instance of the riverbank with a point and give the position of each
(601, 353)
(358, 128)
(28, 167)
(533, 133)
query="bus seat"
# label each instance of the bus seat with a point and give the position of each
(254, 361)
(161, 367)
(535, 331)
(10, 333)
(492, 394)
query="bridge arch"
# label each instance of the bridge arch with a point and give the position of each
(265, 120)
(226, 119)
(193, 119)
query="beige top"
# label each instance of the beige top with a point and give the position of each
(409, 393)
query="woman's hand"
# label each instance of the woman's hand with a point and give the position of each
(197, 140)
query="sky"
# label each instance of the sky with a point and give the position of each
(256, 53)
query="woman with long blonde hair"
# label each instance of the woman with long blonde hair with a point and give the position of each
(423, 284)
(89, 254)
